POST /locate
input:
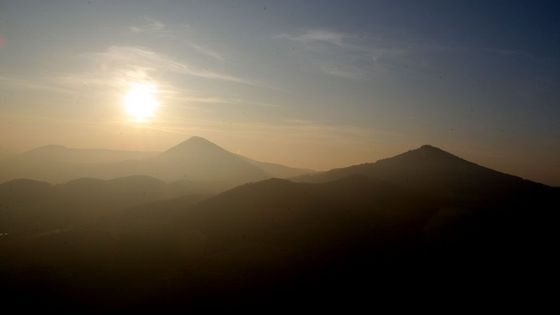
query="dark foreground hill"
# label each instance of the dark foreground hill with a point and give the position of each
(423, 225)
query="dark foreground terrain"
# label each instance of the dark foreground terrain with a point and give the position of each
(424, 225)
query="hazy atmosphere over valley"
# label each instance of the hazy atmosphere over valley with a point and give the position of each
(173, 156)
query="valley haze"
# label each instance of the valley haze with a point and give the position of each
(249, 156)
(308, 236)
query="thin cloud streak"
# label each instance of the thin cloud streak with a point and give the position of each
(148, 25)
(314, 36)
(206, 51)
(343, 55)
(220, 100)
(143, 58)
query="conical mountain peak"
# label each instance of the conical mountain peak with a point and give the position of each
(197, 139)
(429, 147)
(194, 143)
(429, 152)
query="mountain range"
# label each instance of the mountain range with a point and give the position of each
(195, 159)
(349, 237)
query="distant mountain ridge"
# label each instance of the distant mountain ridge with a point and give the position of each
(195, 159)
(201, 160)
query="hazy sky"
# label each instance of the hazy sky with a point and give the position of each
(319, 84)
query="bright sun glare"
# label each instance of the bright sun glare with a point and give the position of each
(140, 101)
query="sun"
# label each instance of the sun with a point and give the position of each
(140, 101)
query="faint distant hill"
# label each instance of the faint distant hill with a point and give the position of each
(55, 163)
(195, 159)
(58, 153)
(278, 170)
(199, 159)
(29, 206)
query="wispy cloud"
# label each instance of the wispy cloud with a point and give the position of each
(318, 36)
(201, 99)
(147, 24)
(150, 26)
(142, 58)
(114, 68)
(207, 51)
(344, 55)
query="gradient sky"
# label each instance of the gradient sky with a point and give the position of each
(319, 84)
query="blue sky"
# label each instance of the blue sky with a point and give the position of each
(318, 84)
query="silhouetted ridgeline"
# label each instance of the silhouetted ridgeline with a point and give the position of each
(424, 224)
